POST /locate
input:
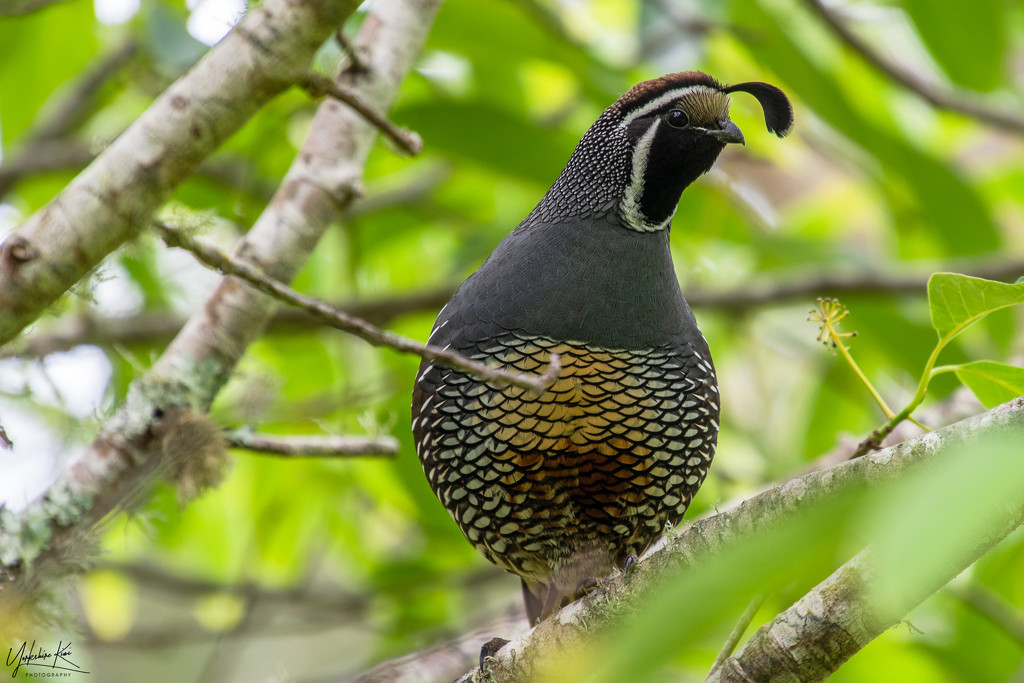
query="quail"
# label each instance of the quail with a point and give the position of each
(563, 487)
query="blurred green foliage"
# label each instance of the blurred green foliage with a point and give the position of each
(354, 559)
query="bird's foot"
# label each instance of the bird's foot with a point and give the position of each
(631, 562)
(490, 648)
(587, 585)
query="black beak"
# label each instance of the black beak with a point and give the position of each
(729, 132)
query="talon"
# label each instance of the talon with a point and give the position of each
(631, 561)
(490, 648)
(587, 585)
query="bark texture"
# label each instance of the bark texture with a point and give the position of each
(154, 433)
(114, 197)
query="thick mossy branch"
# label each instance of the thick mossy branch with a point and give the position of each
(533, 653)
(110, 201)
(38, 543)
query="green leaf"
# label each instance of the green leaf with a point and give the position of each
(967, 39)
(707, 597)
(42, 52)
(943, 199)
(957, 301)
(491, 136)
(993, 383)
(912, 550)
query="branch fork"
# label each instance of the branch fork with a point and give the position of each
(321, 86)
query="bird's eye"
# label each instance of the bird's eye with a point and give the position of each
(677, 118)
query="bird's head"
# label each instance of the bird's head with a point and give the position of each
(655, 140)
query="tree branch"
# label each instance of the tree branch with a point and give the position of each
(68, 154)
(74, 107)
(355, 59)
(44, 147)
(20, 8)
(937, 97)
(112, 199)
(46, 156)
(313, 446)
(737, 632)
(759, 294)
(158, 328)
(318, 86)
(703, 539)
(65, 154)
(302, 597)
(45, 540)
(445, 661)
(841, 615)
(328, 315)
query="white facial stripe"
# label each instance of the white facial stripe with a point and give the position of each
(659, 102)
(630, 205)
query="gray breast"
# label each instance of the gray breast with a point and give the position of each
(599, 283)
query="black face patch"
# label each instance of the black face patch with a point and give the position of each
(675, 159)
(608, 171)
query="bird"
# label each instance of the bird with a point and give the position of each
(564, 487)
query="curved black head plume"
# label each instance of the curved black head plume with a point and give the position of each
(778, 112)
(649, 145)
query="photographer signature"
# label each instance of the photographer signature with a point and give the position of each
(61, 658)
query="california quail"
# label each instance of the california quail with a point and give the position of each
(563, 487)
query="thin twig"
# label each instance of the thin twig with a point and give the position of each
(156, 328)
(959, 405)
(74, 107)
(756, 294)
(689, 24)
(356, 62)
(44, 157)
(296, 610)
(181, 588)
(547, 20)
(737, 631)
(240, 175)
(313, 446)
(355, 326)
(444, 661)
(319, 86)
(937, 97)
(47, 145)
(55, 155)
